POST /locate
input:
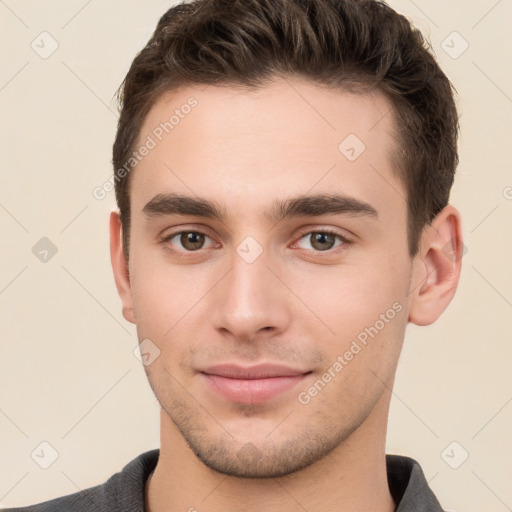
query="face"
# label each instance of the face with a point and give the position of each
(278, 319)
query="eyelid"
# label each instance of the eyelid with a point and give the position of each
(331, 231)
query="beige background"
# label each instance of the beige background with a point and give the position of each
(68, 375)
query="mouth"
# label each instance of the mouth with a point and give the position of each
(252, 385)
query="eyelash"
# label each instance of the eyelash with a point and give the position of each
(343, 246)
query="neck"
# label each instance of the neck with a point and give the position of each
(352, 477)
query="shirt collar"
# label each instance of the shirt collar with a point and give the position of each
(409, 487)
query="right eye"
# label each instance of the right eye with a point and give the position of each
(190, 241)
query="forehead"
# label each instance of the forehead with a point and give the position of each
(286, 138)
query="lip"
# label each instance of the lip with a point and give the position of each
(252, 385)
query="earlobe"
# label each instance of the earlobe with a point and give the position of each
(120, 267)
(436, 267)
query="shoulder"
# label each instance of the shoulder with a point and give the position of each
(93, 498)
(122, 491)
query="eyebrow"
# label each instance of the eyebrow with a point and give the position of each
(310, 206)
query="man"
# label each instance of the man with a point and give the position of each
(282, 171)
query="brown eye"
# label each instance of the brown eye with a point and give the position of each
(191, 240)
(187, 241)
(321, 241)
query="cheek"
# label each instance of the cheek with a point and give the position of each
(348, 298)
(367, 314)
(365, 311)
(166, 296)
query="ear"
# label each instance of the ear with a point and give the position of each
(120, 267)
(436, 267)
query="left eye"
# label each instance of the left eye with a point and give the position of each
(322, 240)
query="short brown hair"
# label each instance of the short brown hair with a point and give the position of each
(353, 45)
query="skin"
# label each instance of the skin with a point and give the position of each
(299, 303)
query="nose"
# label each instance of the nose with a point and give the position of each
(251, 301)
